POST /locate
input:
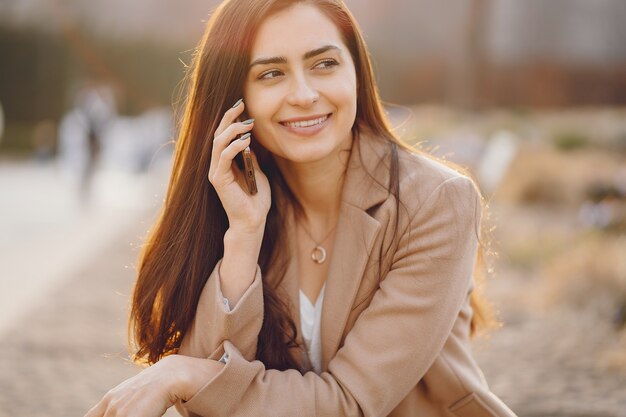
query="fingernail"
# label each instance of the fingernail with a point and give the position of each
(244, 137)
(248, 122)
(237, 103)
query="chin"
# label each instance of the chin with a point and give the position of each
(310, 152)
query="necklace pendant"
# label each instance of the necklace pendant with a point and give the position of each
(318, 254)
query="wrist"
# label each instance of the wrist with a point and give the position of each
(243, 243)
(239, 263)
(173, 380)
(192, 374)
(245, 233)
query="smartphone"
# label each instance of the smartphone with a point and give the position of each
(248, 170)
(247, 167)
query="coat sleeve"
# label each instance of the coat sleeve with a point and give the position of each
(216, 321)
(393, 342)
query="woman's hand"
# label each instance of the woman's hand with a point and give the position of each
(246, 213)
(155, 389)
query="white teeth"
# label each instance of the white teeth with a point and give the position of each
(306, 123)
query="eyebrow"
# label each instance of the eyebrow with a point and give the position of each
(283, 60)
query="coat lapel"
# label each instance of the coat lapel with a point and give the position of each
(353, 245)
(364, 187)
(365, 183)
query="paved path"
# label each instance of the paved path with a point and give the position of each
(66, 270)
(64, 354)
(551, 363)
(46, 230)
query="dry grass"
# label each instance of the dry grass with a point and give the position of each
(589, 273)
(541, 174)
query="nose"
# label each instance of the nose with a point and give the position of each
(302, 93)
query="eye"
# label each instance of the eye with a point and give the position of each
(269, 75)
(326, 64)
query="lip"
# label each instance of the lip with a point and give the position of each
(304, 118)
(309, 130)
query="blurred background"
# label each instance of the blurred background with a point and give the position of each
(529, 96)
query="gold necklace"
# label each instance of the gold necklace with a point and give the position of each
(318, 254)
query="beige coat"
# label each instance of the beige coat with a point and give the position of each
(395, 338)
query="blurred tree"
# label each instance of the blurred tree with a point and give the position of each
(467, 57)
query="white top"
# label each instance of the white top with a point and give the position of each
(310, 318)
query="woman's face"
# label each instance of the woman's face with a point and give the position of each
(301, 86)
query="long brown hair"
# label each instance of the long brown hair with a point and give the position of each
(186, 242)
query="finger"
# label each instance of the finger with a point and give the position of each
(97, 410)
(221, 142)
(225, 162)
(230, 116)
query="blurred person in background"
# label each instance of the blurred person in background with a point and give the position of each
(44, 137)
(81, 131)
(1, 121)
(346, 285)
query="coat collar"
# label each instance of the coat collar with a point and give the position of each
(367, 176)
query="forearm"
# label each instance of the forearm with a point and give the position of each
(229, 279)
(241, 255)
(247, 388)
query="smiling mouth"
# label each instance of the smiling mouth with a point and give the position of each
(307, 123)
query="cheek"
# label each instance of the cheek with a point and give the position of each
(345, 96)
(260, 106)
(344, 90)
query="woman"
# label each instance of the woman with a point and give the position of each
(344, 286)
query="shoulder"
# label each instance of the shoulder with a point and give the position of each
(420, 179)
(440, 207)
(425, 180)
(437, 204)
